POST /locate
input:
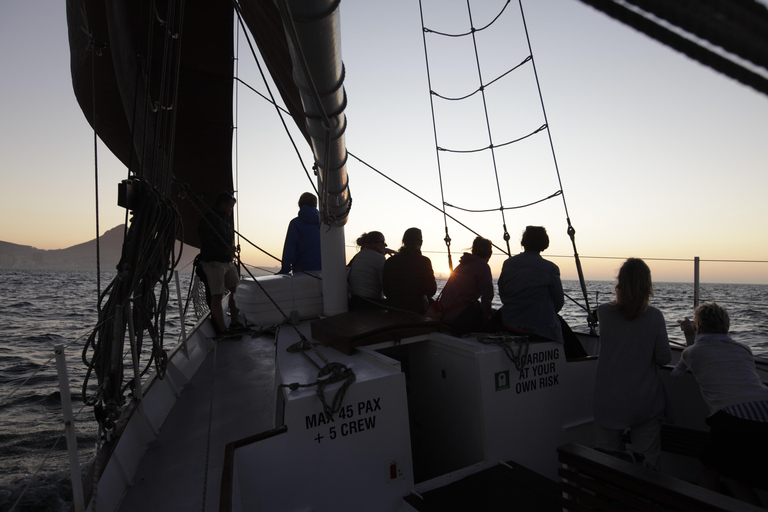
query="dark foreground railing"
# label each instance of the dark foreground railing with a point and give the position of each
(592, 480)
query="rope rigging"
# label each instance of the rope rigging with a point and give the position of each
(138, 295)
(491, 146)
(271, 98)
(494, 146)
(551, 196)
(482, 86)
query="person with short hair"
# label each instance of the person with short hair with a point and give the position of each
(737, 400)
(530, 289)
(216, 259)
(301, 251)
(409, 281)
(470, 280)
(629, 393)
(366, 271)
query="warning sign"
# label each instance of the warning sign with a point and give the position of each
(502, 380)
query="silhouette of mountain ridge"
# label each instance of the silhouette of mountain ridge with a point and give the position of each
(78, 257)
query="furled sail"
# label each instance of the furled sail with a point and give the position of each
(155, 81)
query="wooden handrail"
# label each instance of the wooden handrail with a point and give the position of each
(592, 480)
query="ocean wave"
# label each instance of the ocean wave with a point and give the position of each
(17, 305)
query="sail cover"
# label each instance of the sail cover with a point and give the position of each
(154, 79)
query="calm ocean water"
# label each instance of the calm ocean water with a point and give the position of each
(44, 308)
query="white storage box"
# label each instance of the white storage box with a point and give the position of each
(300, 297)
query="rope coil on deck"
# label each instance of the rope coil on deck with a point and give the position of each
(507, 342)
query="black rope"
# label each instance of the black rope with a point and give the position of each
(238, 10)
(482, 86)
(292, 34)
(148, 256)
(488, 128)
(551, 196)
(592, 321)
(447, 237)
(473, 29)
(414, 194)
(96, 167)
(507, 341)
(494, 146)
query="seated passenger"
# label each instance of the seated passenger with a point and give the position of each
(737, 400)
(470, 280)
(532, 294)
(409, 282)
(366, 271)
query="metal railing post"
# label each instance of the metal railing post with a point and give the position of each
(69, 428)
(695, 282)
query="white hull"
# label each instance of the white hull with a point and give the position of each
(221, 433)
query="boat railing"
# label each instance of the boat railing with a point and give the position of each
(593, 480)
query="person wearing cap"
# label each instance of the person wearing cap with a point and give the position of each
(216, 259)
(301, 251)
(365, 271)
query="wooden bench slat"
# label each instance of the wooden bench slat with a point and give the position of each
(605, 475)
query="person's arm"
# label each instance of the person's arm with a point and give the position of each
(662, 353)
(430, 284)
(557, 291)
(486, 292)
(289, 248)
(689, 330)
(690, 336)
(386, 279)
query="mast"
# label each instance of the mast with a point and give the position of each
(314, 40)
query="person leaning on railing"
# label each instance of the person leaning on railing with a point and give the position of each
(737, 400)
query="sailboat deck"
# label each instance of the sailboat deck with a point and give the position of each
(503, 487)
(182, 469)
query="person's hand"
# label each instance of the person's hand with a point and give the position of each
(688, 328)
(389, 252)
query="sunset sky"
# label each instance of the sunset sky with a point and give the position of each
(659, 157)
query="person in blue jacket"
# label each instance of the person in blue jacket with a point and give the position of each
(301, 251)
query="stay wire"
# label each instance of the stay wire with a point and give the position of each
(272, 100)
(237, 126)
(591, 320)
(488, 127)
(96, 166)
(425, 201)
(371, 167)
(447, 238)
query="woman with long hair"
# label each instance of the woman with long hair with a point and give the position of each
(366, 271)
(629, 393)
(409, 281)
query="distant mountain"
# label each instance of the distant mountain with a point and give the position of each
(78, 257)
